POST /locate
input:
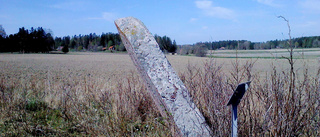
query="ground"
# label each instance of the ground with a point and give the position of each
(101, 94)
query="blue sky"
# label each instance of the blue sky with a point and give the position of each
(186, 21)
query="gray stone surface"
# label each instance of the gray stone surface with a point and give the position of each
(166, 88)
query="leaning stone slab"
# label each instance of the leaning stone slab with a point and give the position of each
(167, 90)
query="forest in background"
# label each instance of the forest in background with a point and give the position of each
(200, 48)
(301, 42)
(40, 40)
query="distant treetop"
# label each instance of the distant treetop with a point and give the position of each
(2, 32)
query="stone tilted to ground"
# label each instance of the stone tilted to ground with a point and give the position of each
(167, 90)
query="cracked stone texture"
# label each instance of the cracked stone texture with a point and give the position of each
(160, 78)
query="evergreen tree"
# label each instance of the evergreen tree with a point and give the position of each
(166, 44)
(2, 32)
(65, 49)
(73, 44)
(110, 43)
(103, 40)
(173, 47)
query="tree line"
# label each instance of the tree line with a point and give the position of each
(199, 49)
(90, 42)
(301, 42)
(94, 42)
(40, 40)
(35, 40)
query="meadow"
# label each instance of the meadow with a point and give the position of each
(101, 94)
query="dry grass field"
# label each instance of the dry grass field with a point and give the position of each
(101, 94)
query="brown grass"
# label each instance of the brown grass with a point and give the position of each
(101, 94)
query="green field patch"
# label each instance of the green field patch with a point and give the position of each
(252, 57)
(274, 51)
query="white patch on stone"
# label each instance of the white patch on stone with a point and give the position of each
(246, 87)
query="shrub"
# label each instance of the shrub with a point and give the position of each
(79, 48)
(269, 107)
(65, 49)
(201, 51)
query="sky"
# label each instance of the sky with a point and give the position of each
(185, 21)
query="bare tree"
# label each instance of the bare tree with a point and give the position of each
(290, 58)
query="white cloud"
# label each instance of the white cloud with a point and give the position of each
(311, 23)
(204, 4)
(71, 5)
(214, 11)
(193, 19)
(108, 16)
(269, 3)
(311, 6)
(204, 27)
(308, 24)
